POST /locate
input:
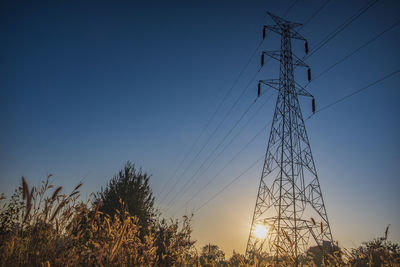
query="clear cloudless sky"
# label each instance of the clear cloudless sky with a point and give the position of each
(87, 85)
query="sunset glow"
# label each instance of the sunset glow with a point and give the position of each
(260, 231)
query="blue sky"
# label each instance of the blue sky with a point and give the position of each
(86, 87)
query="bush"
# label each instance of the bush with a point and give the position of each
(131, 187)
(174, 245)
(211, 254)
(378, 252)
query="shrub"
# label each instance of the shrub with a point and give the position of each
(378, 252)
(132, 187)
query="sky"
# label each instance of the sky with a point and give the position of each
(86, 86)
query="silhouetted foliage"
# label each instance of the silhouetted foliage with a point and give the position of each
(44, 226)
(237, 260)
(211, 254)
(375, 253)
(131, 187)
(327, 253)
(173, 244)
(11, 213)
(258, 257)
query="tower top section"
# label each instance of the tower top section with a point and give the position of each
(283, 26)
(284, 23)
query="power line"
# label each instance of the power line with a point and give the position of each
(308, 20)
(209, 121)
(325, 71)
(229, 184)
(354, 93)
(340, 28)
(183, 188)
(230, 161)
(321, 44)
(290, 8)
(213, 133)
(316, 12)
(355, 51)
(321, 109)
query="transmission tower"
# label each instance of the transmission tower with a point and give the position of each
(290, 209)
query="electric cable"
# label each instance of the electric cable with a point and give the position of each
(308, 20)
(354, 93)
(315, 13)
(183, 188)
(226, 165)
(340, 28)
(319, 110)
(355, 51)
(229, 184)
(209, 122)
(319, 46)
(290, 8)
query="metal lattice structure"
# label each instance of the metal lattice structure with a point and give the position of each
(289, 200)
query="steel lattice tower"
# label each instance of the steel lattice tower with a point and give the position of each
(289, 200)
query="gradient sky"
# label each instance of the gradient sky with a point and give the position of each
(86, 86)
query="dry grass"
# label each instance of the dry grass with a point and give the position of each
(43, 226)
(55, 229)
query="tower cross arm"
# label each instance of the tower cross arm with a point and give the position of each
(273, 83)
(299, 62)
(273, 28)
(272, 54)
(295, 35)
(300, 90)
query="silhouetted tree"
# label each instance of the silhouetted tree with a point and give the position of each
(327, 254)
(237, 260)
(378, 252)
(211, 254)
(129, 190)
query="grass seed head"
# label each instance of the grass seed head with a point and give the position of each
(53, 197)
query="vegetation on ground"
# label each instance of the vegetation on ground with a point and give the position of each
(45, 226)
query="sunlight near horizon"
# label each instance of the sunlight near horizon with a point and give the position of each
(260, 231)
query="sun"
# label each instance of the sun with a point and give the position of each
(260, 231)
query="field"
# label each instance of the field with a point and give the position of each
(40, 226)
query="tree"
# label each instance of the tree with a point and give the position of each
(378, 252)
(327, 254)
(129, 190)
(237, 260)
(211, 254)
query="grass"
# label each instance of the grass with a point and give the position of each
(44, 226)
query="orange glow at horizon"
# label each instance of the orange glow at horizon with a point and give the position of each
(260, 231)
